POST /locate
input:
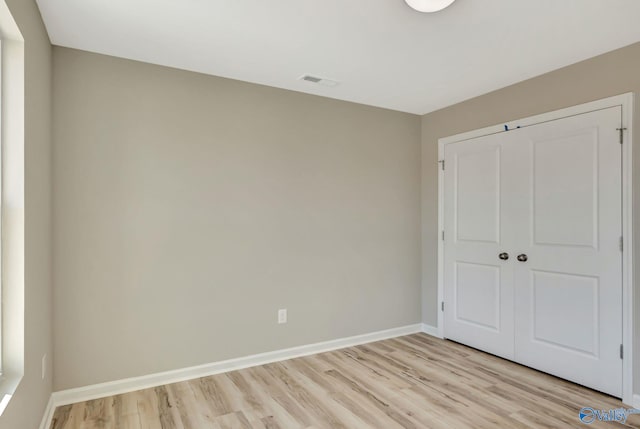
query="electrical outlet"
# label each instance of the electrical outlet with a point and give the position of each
(44, 365)
(282, 316)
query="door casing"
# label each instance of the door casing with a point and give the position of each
(626, 101)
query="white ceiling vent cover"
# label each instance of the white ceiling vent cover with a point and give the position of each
(319, 80)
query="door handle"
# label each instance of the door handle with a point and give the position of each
(522, 257)
(503, 256)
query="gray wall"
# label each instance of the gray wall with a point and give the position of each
(27, 405)
(610, 74)
(189, 208)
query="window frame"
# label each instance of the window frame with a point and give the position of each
(12, 287)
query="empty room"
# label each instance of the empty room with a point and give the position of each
(295, 214)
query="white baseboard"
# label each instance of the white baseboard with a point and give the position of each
(636, 402)
(47, 417)
(431, 330)
(87, 393)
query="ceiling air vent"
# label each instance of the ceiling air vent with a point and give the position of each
(319, 80)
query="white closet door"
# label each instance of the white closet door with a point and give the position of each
(568, 293)
(478, 284)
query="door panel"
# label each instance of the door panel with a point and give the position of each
(478, 294)
(558, 295)
(477, 189)
(568, 294)
(478, 285)
(565, 206)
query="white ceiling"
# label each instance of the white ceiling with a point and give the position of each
(382, 52)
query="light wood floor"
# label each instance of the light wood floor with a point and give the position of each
(415, 381)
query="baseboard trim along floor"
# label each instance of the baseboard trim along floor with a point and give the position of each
(87, 393)
(48, 414)
(431, 330)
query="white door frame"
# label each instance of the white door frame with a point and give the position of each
(626, 101)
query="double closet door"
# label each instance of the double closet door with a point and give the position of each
(532, 249)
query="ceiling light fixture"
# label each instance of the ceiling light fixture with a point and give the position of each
(428, 5)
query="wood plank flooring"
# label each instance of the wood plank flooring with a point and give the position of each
(414, 381)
